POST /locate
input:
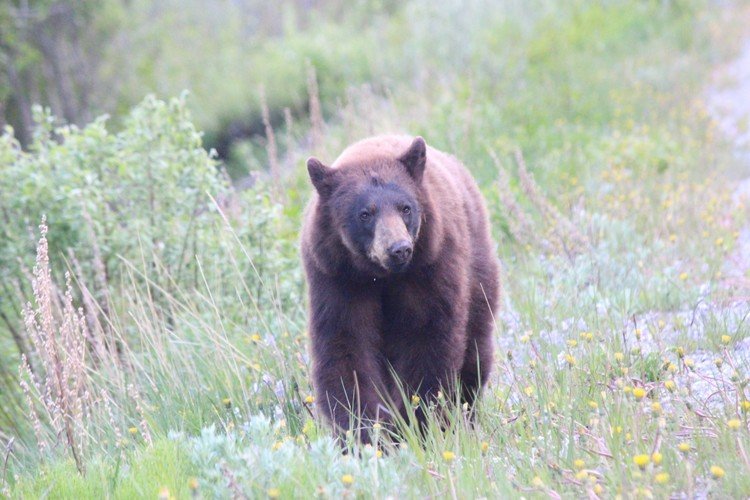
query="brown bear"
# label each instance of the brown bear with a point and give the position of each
(402, 280)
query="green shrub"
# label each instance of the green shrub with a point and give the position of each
(144, 188)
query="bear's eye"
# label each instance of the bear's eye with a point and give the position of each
(406, 210)
(364, 216)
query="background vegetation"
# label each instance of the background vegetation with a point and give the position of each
(152, 320)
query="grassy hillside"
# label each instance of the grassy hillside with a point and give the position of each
(161, 312)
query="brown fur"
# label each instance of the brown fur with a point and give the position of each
(430, 324)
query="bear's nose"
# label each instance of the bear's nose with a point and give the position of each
(400, 252)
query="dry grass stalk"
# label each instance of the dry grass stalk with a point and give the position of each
(316, 114)
(136, 397)
(572, 240)
(289, 124)
(519, 224)
(24, 370)
(119, 441)
(98, 348)
(102, 292)
(57, 331)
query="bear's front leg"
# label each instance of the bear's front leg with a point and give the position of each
(347, 368)
(427, 358)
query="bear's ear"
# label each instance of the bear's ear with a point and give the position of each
(415, 158)
(321, 176)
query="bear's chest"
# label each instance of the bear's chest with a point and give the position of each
(405, 309)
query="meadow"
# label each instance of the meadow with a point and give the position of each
(152, 319)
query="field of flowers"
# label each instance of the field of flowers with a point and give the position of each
(158, 347)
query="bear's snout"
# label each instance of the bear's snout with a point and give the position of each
(392, 247)
(400, 252)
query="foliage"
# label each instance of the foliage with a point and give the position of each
(622, 342)
(109, 190)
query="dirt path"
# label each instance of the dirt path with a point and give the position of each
(728, 99)
(729, 104)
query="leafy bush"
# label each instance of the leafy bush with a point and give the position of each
(142, 189)
(143, 209)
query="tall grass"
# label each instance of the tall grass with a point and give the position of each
(621, 367)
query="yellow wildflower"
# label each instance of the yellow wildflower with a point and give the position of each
(309, 399)
(485, 446)
(255, 337)
(347, 479)
(227, 402)
(273, 493)
(683, 447)
(619, 357)
(662, 478)
(537, 482)
(670, 385)
(656, 407)
(726, 339)
(639, 393)
(657, 458)
(745, 405)
(579, 464)
(641, 461)
(193, 483)
(449, 456)
(734, 424)
(414, 399)
(716, 471)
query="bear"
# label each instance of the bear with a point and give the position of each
(403, 282)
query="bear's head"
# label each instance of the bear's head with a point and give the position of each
(373, 206)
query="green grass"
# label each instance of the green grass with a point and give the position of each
(611, 339)
(141, 473)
